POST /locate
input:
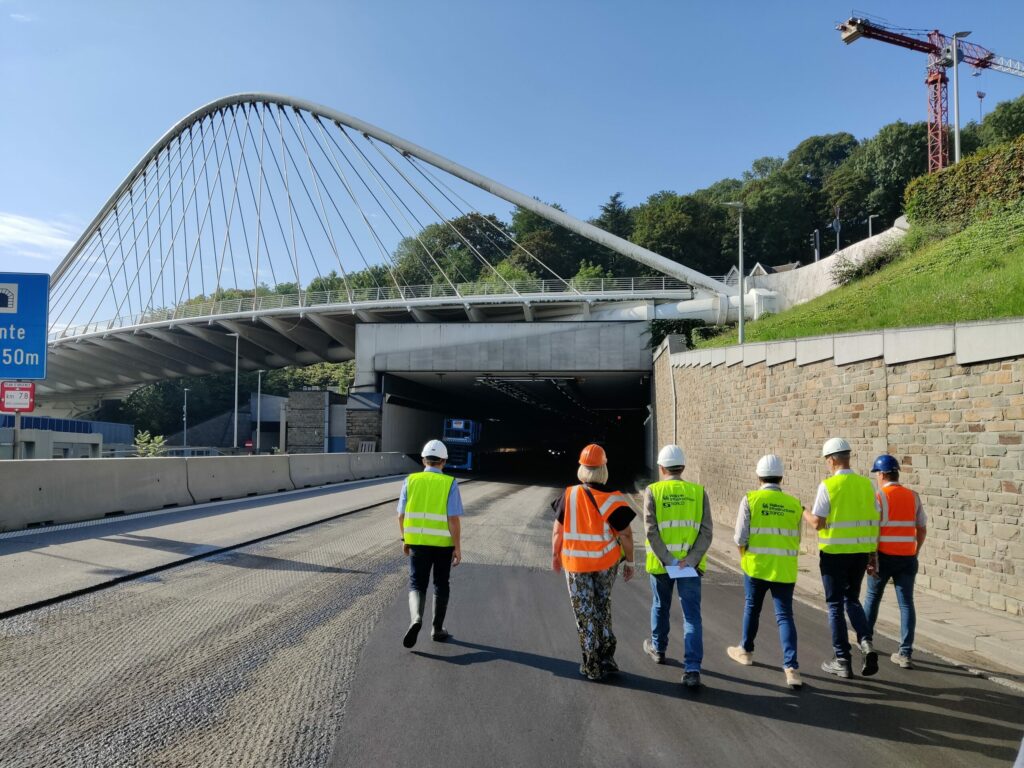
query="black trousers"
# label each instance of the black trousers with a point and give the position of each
(425, 559)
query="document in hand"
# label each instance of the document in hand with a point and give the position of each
(681, 571)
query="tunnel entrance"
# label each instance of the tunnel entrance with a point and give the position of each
(530, 424)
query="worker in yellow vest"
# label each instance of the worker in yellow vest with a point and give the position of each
(768, 536)
(904, 527)
(677, 516)
(429, 510)
(846, 516)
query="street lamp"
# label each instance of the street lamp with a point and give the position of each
(235, 444)
(981, 105)
(872, 216)
(957, 37)
(184, 420)
(739, 209)
(259, 404)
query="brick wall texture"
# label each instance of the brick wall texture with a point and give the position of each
(958, 432)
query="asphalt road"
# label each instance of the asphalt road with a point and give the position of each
(288, 653)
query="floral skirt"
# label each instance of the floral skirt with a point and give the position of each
(591, 597)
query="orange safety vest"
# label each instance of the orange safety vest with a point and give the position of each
(898, 534)
(588, 542)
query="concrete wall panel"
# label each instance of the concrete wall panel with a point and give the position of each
(978, 342)
(813, 350)
(754, 353)
(69, 490)
(901, 345)
(313, 469)
(860, 346)
(780, 352)
(234, 477)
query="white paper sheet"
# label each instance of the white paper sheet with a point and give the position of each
(681, 572)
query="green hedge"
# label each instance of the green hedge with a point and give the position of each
(993, 177)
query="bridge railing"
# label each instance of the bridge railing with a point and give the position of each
(515, 289)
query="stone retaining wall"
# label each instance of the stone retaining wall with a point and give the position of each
(956, 427)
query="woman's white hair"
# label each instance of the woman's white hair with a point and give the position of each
(592, 475)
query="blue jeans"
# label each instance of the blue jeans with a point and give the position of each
(841, 575)
(782, 596)
(689, 600)
(901, 569)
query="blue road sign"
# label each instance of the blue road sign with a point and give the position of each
(24, 305)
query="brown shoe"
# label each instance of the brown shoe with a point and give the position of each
(740, 656)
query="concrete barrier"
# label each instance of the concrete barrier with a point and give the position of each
(311, 469)
(69, 490)
(44, 491)
(234, 477)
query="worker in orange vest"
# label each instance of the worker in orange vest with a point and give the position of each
(591, 536)
(903, 530)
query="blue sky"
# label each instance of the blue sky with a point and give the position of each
(569, 101)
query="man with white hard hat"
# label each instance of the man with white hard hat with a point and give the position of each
(846, 515)
(677, 515)
(429, 509)
(768, 535)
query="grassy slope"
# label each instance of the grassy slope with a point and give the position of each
(973, 275)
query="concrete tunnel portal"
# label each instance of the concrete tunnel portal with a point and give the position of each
(539, 391)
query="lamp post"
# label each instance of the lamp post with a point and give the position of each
(259, 404)
(957, 37)
(184, 420)
(981, 110)
(235, 442)
(872, 216)
(739, 209)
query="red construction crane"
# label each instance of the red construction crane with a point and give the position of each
(939, 48)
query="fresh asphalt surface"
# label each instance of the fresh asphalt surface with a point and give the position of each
(507, 691)
(288, 653)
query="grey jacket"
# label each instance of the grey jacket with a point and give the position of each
(700, 546)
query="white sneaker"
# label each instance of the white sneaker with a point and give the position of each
(901, 661)
(793, 678)
(740, 656)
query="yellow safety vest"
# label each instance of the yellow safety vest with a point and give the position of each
(679, 508)
(426, 509)
(773, 548)
(852, 519)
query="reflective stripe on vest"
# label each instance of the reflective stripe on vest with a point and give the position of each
(853, 520)
(773, 548)
(679, 507)
(425, 521)
(899, 521)
(589, 543)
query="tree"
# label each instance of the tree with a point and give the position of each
(814, 158)
(615, 217)
(780, 211)
(1004, 123)
(894, 156)
(457, 249)
(684, 228)
(553, 245)
(762, 168)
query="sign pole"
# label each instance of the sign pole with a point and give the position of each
(15, 446)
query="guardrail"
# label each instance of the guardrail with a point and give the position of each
(515, 289)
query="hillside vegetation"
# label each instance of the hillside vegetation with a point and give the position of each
(975, 274)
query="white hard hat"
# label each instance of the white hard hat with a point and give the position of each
(770, 466)
(671, 456)
(835, 445)
(436, 449)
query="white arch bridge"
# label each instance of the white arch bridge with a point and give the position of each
(278, 225)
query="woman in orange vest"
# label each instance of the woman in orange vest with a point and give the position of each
(903, 530)
(591, 536)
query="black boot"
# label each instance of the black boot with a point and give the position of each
(417, 601)
(439, 634)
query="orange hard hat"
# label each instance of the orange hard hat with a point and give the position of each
(593, 456)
